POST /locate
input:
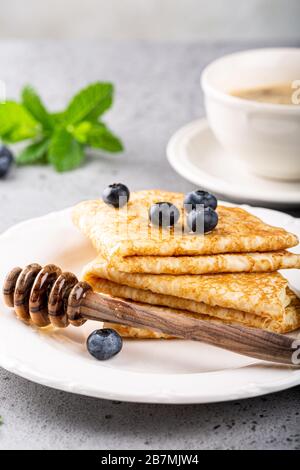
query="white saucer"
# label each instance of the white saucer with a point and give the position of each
(158, 371)
(195, 154)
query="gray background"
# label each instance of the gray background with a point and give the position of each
(157, 92)
(150, 19)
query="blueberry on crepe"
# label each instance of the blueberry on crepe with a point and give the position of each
(164, 214)
(116, 195)
(203, 220)
(196, 198)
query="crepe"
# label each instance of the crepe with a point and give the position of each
(221, 276)
(290, 321)
(261, 300)
(206, 264)
(241, 242)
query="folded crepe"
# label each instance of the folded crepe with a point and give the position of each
(261, 300)
(241, 242)
(172, 268)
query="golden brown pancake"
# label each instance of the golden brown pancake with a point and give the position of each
(228, 275)
(241, 242)
(257, 300)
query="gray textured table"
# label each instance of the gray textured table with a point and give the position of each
(157, 92)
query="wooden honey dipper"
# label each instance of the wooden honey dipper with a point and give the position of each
(49, 296)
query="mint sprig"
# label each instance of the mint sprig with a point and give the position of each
(65, 153)
(59, 138)
(33, 103)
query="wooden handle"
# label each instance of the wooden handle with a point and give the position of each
(253, 342)
(46, 295)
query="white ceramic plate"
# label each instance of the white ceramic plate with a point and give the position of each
(145, 371)
(195, 154)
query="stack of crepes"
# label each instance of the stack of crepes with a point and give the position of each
(228, 275)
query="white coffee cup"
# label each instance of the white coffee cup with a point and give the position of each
(264, 136)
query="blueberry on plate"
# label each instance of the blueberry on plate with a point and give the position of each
(116, 195)
(6, 159)
(202, 221)
(104, 344)
(164, 214)
(195, 198)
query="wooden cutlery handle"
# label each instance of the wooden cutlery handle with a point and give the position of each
(48, 296)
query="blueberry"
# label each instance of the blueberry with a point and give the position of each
(104, 344)
(116, 195)
(195, 198)
(164, 214)
(202, 221)
(6, 159)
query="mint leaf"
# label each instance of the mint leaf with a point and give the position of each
(81, 131)
(65, 153)
(34, 153)
(101, 137)
(16, 123)
(58, 118)
(89, 103)
(104, 104)
(33, 103)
